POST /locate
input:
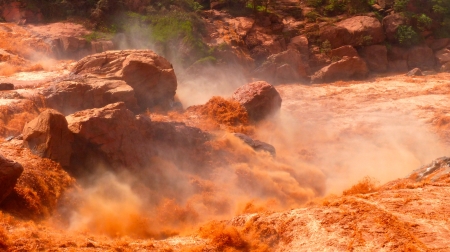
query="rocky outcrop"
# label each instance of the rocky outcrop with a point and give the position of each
(74, 94)
(288, 66)
(256, 144)
(391, 24)
(48, 136)
(355, 31)
(10, 171)
(376, 57)
(345, 69)
(151, 76)
(421, 57)
(260, 99)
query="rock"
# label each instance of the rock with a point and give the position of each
(343, 51)
(439, 44)
(18, 13)
(445, 67)
(256, 144)
(287, 66)
(10, 171)
(6, 86)
(71, 95)
(101, 46)
(439, 168)
(398, 66)
(345, 69)
(260, 99)
(391, 24)
(109, 132)
(113, 137)
(151, 76)
(48, 136)
(300, 43)
(421, 57)
(397, 53)
(72, 45)
(415, 72)
(443, 56)
(355, 31)
(375, 57)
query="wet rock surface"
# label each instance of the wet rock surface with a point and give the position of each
(48, 136)
(345, 69)
(10, 171)
(260, 99)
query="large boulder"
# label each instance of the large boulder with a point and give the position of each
(151, 76)
(391, 24)
(421, 57)
(355, 31)
(443, 55)
(114, 137)
(260, 99)
(345, 69)
(48, 136)
(10, 171)
(439, 44)
(287, 66)
(375, 57)
(74, 94)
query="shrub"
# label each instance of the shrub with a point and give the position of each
(366, 185)
(406, 35)
(423, 21)
(400, 5)
(312, 16)
(325, 47)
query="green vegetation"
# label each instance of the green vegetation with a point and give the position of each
(337, 7)
(407, 36)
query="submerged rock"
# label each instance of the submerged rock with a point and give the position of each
(10, 171)
(256, 144)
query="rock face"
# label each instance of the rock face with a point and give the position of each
(421, 57)
(151, 76)
(260, 99)
(391, 24)
(69, 96)
(288, 66)
(10, 171)
(345, 69)
(376, 57)
(355, 31)
(256, 144)
(48, 136)
(114, 137)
